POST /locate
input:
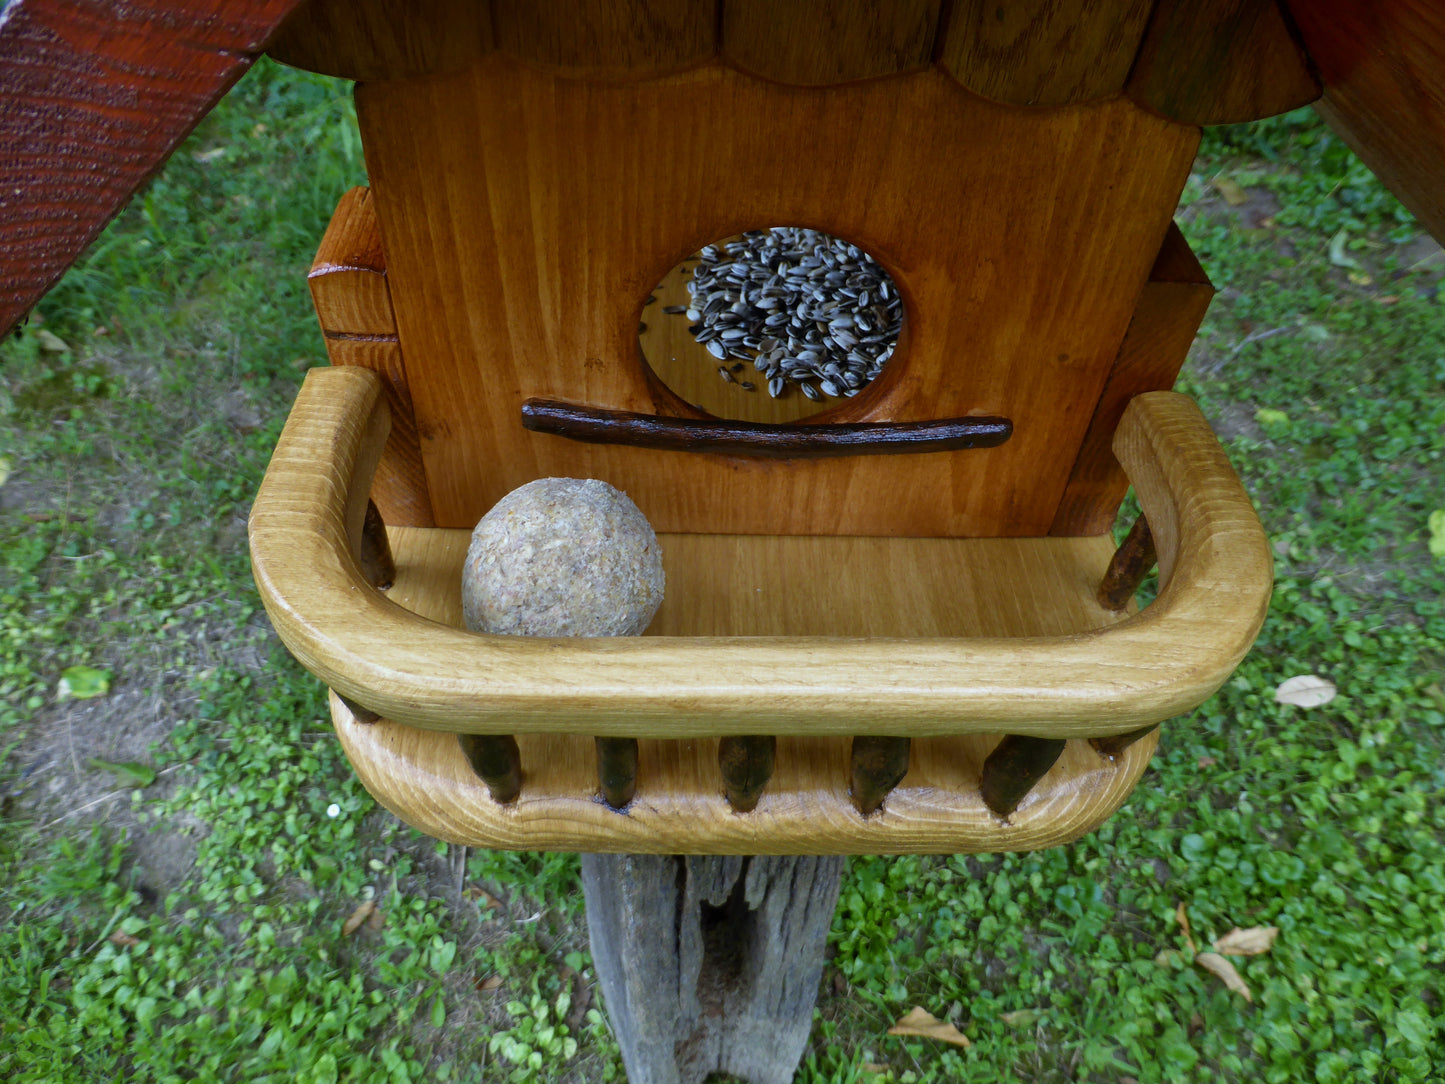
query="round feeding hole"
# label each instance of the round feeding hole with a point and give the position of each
(772, 325)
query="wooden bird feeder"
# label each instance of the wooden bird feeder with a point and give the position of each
(883, 632)
(896, 624)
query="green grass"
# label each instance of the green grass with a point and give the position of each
(192, 928)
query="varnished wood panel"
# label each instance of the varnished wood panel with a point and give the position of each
(527, 216)
(680, 808)
(353, 304)
(1383, 66)
(384, 39)
(1215, 568)
(93, 98)
(1043, 52)
(787, 585)
(1169, 313)
(822, 42)
(1221, 62)
(608, 37)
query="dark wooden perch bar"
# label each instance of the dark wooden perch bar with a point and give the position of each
(596, 426)
(497, 762)
(1015, 765)
(746, 765)
(878, 765)
(1133, 560)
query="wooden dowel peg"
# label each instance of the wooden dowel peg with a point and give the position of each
(598, 426)
(376, 561)
(1012, 769)
(358, 713)
(878, 765)
(1133, 560)
(617, 769)
(1114, 745)
(747, 765)
(497, 762)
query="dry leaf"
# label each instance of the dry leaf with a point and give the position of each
(1216, 964)
(1022, 1018)
(1250, 942)
(360, 915)
(491, 982)
(925, 1025)
(1184, 925)
(1233, 194)
(52, 343)
(1305, 691)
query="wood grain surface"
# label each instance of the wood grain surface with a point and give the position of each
(1043, 52)
(527, 217)
(1383, 66)
(822, 42)
(383, 39)
(773, 672)
(1160, 334)
(680, 807)
(1221, 62)
(352, 297)
(93, 98)
(633, 38)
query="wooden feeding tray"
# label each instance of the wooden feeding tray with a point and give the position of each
(835, 612)
(814, 639)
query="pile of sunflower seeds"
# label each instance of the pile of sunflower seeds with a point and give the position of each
(805, 308)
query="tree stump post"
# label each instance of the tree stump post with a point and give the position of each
(710, 963)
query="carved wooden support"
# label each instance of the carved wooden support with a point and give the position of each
(596, 426)
(1012, 769)
(879, 764)
(617, 770)
(377, 564)
(497, 762)
(747, 765)
(1114, 745)
(1133, 560)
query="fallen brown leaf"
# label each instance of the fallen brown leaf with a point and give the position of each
(1022, 1018)
(1216, 964)
(1180, 914)
(1250, 942)
(1233, 194)
(924, 1024)
(1305, 691)
(360, 915)
(491, 982)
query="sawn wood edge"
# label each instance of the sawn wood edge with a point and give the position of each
(1215, 564)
